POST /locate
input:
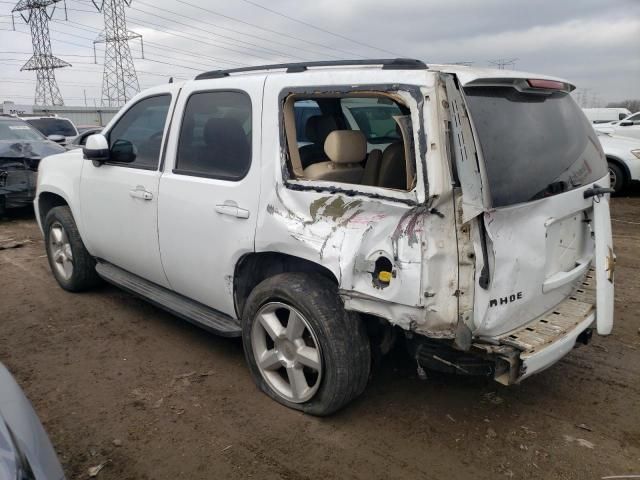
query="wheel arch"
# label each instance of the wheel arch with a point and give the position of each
(47, 201)
(256, 267)
(622, 165)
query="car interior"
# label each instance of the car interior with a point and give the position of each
(353, 139)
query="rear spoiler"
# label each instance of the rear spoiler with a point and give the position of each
(528, 85)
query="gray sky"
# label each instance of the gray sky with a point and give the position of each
(593, 43)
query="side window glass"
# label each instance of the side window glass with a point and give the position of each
(215, 136)
(143, 126)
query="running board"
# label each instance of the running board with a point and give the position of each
(181, 306)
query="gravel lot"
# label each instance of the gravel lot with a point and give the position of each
(116, 380)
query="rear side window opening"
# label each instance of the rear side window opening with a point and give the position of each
(533, 145)
(351, 138)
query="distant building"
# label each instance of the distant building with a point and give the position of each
(84, 116)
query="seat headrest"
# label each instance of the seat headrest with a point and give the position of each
(221, 133)
(346, 146)
(227, 145)
(319, 127)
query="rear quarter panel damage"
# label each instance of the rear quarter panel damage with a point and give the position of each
(347, 234)
(347, 230)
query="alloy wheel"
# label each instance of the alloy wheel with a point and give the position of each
(613, 178)
(287, 352)
(60, 250)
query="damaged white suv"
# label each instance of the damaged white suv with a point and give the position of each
(463, 211)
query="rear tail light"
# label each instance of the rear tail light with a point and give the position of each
(547, 84)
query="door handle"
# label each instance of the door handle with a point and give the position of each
(140, 192)
(232, 211)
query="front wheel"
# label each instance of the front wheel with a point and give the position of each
(303, 348)
(71, 264)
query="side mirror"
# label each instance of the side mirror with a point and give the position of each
(58, 139)
(625, 124)
(123, 151)
(96, 148)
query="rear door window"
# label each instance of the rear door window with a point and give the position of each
(215, 136)
(533, 145)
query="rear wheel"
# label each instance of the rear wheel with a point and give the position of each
(303, 348)
(617, 177)
(72, 266)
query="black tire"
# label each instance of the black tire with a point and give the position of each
(618, 177)
(342, 338)
(83, 276)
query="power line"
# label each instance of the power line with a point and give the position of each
(62, 54)
(192, 37)
(318, 28)
(86, 28)
(174, 21)
(299, 39)
(164, 48)
(75, 69)
(158, 46)
(262, 39)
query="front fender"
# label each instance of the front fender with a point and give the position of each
(60, 175)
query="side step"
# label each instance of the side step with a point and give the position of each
(181, 306)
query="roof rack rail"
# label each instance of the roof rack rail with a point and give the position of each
(387, 64)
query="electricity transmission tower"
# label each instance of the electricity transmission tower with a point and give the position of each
(42, 61)
(504, 62)
(119, 80)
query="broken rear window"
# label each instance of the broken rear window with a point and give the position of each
(351, 139)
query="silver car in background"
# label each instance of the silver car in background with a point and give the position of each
(25, 450)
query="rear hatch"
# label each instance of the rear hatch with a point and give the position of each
(538, 154)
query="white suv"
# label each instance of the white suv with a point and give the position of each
(59, 129)
(627, 127)
(482, 248)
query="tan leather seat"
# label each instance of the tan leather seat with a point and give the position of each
(345, 150)
(372, 168)
(393, 167)
(317, 130)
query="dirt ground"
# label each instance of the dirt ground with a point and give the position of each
(116, 380)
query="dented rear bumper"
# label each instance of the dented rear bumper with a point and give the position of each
(541, 343)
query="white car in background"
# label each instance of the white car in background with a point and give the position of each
(623, 159)
(54, 126)
(627, 127)
(606, 115)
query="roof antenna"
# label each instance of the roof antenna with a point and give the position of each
(170, 79)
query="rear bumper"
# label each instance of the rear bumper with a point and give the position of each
(537, 361)
(541, 343)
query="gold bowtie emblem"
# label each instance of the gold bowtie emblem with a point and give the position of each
(610, 264)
